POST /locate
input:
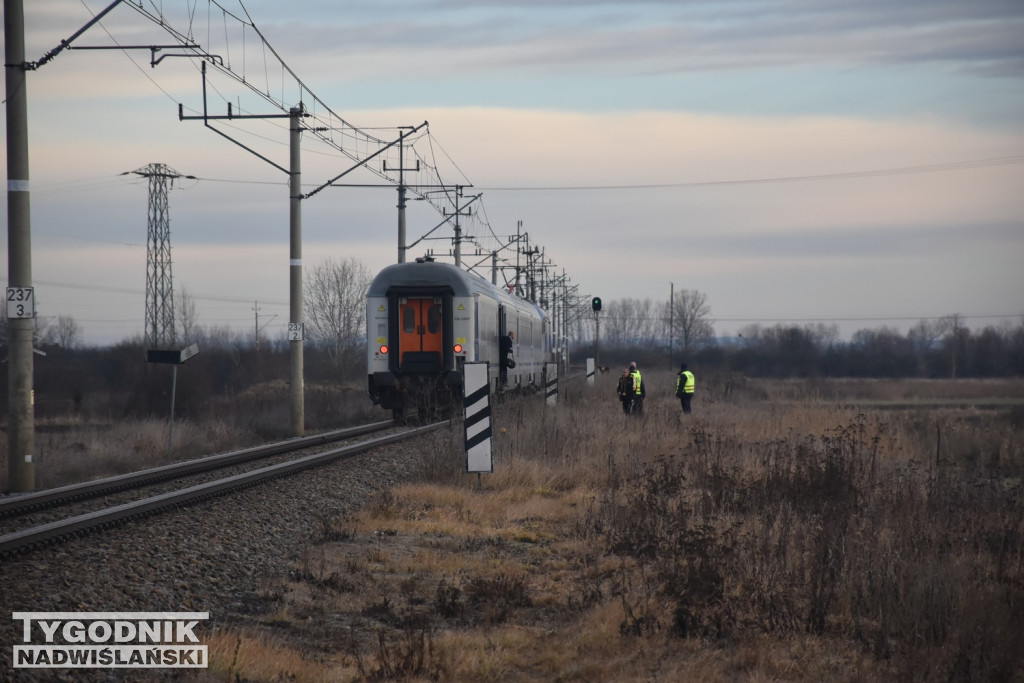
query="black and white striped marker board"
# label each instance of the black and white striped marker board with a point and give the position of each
(590, 371)
(477, 403)
(551, 384)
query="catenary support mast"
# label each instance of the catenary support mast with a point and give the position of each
(295, 324)
(20, 412)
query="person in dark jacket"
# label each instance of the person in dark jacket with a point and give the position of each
(505, 354)
(684, 388)
(625, 391)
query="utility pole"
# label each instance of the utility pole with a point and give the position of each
(519, 237)
(565, 323)
(21, 313)
(159, 317)
(257, 309)
(256, 339)
(542, 276)
(401, 189)
(20, 327)
(294, 171)
(295, 320)
(457, 226)
(531, 280)
(671, 321)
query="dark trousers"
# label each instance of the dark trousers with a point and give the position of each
(685, 401)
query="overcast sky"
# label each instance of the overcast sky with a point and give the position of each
(797, 161)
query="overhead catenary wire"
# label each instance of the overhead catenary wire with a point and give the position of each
(843, 175)
(352, 141)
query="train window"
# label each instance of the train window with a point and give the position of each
(409, 320)
(434, 319)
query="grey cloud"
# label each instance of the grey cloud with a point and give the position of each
(679, 36)
(873, 241)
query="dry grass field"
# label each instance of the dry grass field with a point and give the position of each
(815, 530)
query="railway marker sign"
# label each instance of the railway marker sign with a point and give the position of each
(551, 384)
(590, 371)
(477, 423)
(21, 302)
(173, 357)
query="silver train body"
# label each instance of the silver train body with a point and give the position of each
(425, 320)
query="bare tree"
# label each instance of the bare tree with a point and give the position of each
(188, 317)
(65, 332)
(335, 298)
(955, 339)
(629, 324)
(825, 336)
(691, 319)
(923, 338)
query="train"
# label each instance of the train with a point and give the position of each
(426, 319)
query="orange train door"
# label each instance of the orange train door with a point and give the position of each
(420, 331)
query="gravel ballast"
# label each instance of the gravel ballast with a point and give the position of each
(213, 557)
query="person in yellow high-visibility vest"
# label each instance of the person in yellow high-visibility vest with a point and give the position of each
(639, 390)
(684, 387)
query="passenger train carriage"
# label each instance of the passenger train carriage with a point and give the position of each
(424, 320)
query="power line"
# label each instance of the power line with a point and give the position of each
(868, 318)
(845, 175)
(136, 292)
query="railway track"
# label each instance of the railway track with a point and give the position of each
(15, 506)
(32, 537)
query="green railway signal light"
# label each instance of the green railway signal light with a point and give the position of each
(595, 304)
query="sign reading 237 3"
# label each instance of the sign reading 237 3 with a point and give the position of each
(21, 302)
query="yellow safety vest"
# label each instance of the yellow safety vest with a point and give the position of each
(689, 385)
(636, 381)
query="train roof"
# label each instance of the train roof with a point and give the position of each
(440, 275)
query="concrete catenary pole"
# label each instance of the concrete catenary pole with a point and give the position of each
(295, 326)
(401, 197)
(458, 228)
(21, 412)
(671, 323)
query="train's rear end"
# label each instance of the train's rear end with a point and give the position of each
(414, 364)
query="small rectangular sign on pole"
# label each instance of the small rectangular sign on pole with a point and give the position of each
(188, 352)
(173, 357)
(21, 302)
(551, 384)
(590, 371)
(477, 404)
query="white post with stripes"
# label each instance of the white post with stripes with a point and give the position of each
(551, 384)
(477, 404)
(591, 369)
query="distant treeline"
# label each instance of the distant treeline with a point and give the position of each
(927, 351)
(117, 382)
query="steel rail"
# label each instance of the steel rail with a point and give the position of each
(75, 527)
(14, 506)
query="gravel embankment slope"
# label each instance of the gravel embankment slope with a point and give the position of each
(211, 557)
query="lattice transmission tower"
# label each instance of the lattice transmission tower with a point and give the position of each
(159, 278)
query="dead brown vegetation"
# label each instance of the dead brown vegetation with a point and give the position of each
(776, 534)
